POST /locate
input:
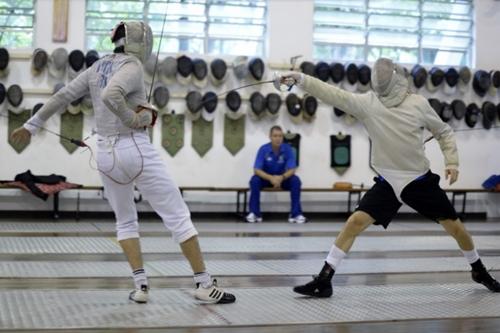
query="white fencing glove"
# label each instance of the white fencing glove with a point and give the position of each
(145, 116)
(285, 81)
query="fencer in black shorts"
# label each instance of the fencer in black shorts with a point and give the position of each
(423, 195)
(396, 121)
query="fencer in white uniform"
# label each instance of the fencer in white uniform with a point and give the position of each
(125, 156)
(395, 120)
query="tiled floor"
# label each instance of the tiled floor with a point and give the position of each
(410, 290)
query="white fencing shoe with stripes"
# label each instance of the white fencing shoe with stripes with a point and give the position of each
(139, 295)
(213, 294)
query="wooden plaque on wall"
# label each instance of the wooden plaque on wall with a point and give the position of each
(60, 21)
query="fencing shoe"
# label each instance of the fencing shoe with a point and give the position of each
(318, 287)
(139, 295)
(213, 294)
(484, 277)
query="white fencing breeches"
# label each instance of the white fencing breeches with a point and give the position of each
(121, 159)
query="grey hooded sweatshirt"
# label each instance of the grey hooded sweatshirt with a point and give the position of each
(395, 123)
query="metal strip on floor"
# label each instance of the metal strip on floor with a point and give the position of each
(40, 245)
(309, 267)
(232, 227)
(65, 269)
(66, 309)
(7, 227)
(180, 268)
(318, 244)
(307, 227)
(250, 227)
(43, 245)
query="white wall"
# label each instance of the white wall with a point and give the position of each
(487, 28)
(76, 25)
(290, 33)
(290, 28)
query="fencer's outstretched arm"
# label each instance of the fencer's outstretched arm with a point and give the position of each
(77, 88)
(127, 79)
(443, 133)
(354, 104)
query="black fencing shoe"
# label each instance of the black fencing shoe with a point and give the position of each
(484, 277)
(213, 294)
(139, 295)
(318, 287)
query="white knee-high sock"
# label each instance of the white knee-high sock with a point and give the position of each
(335, 257)
(472, 256)
(140, 278)
(204, 279)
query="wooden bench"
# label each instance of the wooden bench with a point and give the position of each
(241, 192)
(242, 195)
(55, 197)
(350, 193)
(455, 192)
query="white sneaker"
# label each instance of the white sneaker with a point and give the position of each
(213, 294)
(297, 219)
(252, 218)
(139, 295)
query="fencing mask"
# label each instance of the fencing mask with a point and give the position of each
(210, 101)
(39, 61)
(194, 103)
(58, 61)
(161, 96)
(136, 37)
(4, 62)
(389, 82)
(3, 93)
(15, 98)
(258, 105)
(273, 104)
(218, 70)
(76, 61)
(91, 57)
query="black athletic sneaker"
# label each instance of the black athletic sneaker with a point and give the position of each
(318, 287)
(484, 277)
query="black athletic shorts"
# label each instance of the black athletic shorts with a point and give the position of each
(423, 194)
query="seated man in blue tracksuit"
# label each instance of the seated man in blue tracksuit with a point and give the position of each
(275, 166)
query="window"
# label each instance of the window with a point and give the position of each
(437, 32)
(234, 27)
(16, 23)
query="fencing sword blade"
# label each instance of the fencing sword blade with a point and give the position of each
(157, 55)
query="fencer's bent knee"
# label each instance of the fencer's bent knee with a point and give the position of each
(185, 235)
(127, 229)
(181, 227)
(356, 223)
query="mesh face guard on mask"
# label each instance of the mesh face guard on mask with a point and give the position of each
(382, 74)
(389, 81)
(136, 37)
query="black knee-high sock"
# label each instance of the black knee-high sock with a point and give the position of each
(478, 266)
(326, 272)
